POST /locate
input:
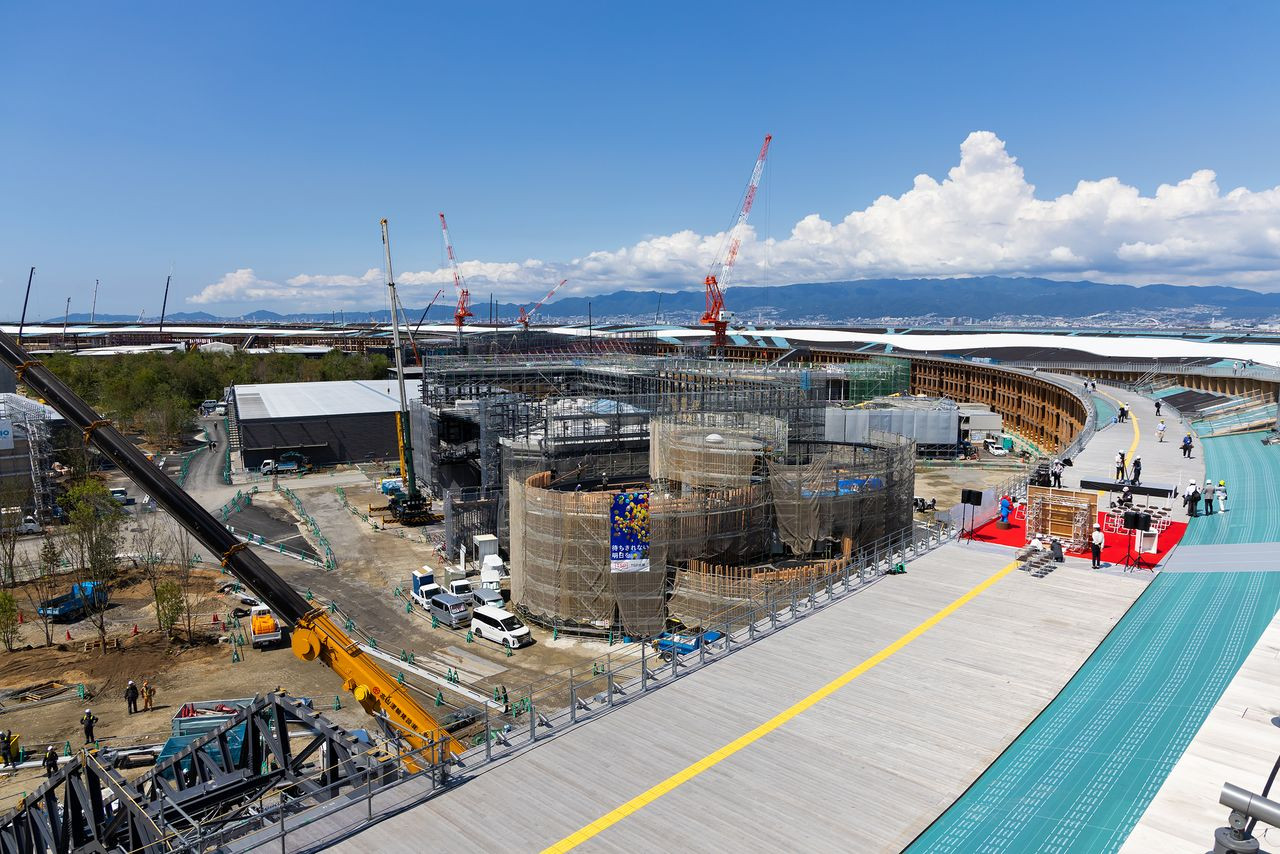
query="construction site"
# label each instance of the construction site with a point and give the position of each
(342, 613)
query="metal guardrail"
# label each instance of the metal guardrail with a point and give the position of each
(577, 695)
(1255, 371)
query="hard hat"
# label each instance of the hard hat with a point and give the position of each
(1222, 483)
(1096, 525)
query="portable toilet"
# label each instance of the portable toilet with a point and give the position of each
(485, 545)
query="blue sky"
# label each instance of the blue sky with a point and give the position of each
(262, 142)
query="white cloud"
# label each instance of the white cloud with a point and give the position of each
(983, 218)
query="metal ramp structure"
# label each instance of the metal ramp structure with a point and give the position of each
(274, 758)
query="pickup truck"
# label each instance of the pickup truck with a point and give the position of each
(669, 643)
(424, 587)
(23, 525)
(85, 596)
(274, 467)
(264, 628)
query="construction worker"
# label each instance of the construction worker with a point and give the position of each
(1157, 407)
(1207, 497)
(1095, 546)
(1221, 494)
(148, 695)
(131, 696)
(87, 720)
(1135, 470)
(50, 761)
(4, 749)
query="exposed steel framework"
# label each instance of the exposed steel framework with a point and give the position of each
(525, 316)
(463, 310)
(717, 280)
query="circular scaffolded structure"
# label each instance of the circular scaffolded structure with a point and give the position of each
(732, 509)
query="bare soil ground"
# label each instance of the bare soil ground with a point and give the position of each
(372, 563)
(944, 481)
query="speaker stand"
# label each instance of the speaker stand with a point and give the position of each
(1131, 562)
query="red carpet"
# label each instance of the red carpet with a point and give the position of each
(1112, 552)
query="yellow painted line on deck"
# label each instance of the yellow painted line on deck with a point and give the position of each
(1133, 419)
(647, 797)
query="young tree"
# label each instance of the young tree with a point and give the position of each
(8, 620)
(95, 529)
(14, 493)
(193, 589)
(169, 607)
(45, 584)
(153, 544)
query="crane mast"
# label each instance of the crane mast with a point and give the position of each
(418, 328)
(525, 316)
(717, 284)
(463, 310)
(410, 507)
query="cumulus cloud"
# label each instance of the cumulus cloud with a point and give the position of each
(983, 218)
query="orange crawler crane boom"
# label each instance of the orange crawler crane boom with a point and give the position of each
(315, 634)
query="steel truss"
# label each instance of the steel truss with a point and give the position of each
(275, 757)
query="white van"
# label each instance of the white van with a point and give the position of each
(482, 596)
(449, 610)
(499, 626)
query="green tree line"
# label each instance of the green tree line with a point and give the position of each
(156, 393)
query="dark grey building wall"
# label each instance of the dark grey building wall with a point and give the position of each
(325, 441)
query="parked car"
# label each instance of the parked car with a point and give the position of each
(450, 610)
(500, 626)
(483, 596)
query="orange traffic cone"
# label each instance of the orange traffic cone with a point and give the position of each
(68, 634)
(20, 618)
(215, 619)
(135, 629)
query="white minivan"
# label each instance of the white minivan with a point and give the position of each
(499, 626)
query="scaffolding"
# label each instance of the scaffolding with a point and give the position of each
(32, 456)
(735, 506)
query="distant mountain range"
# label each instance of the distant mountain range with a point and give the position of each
(983, 298)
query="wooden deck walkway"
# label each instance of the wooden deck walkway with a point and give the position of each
(864, 767)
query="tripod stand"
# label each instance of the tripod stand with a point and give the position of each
(966, 533)
(1132, 562)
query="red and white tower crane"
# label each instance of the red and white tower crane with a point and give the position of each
(722, 268)
(525, 316)
(463, 310)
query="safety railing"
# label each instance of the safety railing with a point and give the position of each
(1157, 368)
(330, 559)
(513, 722)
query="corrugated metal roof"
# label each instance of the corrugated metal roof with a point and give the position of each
(319, 399)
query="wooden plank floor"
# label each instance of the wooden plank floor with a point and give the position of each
(865, 769)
